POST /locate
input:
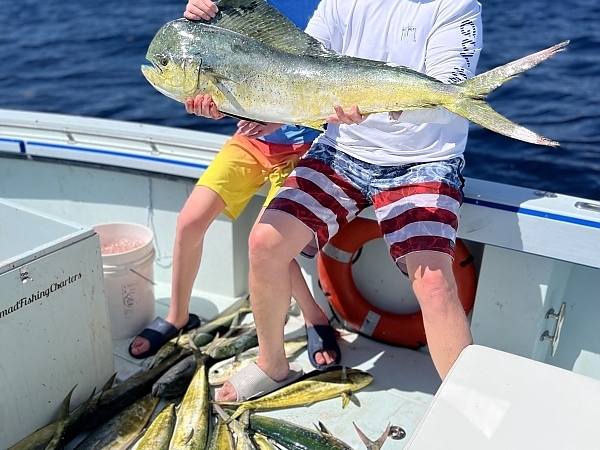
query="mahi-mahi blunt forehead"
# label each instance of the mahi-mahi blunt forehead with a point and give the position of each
(179, 65)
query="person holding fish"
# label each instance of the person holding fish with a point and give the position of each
(406, 164)
(256, 154)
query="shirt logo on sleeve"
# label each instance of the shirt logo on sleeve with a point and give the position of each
(469, 42)
(469, 30)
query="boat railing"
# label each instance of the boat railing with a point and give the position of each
(174, 151)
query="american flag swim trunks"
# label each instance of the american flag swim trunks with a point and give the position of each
(416, 205)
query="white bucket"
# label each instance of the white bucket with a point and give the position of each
(127, 263)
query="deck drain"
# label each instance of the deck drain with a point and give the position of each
(397, 433)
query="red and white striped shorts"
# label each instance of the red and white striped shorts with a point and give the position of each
(416, 205)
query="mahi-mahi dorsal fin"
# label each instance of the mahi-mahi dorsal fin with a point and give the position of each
(259, 20)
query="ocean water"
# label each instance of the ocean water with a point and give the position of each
(84, 58)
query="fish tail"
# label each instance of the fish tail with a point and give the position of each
(473, 107)
(372, 445)
(238, 412)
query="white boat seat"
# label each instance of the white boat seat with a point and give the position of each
(494, 400)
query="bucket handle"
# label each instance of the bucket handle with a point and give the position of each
(142, 276)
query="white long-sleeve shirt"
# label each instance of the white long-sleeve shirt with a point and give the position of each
(441, 38)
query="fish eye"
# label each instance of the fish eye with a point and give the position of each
(163, 60)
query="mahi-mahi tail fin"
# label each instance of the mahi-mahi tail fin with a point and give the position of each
(473, 107)
(373, 445)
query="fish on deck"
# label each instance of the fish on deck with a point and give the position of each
(311, 388)
(257, 65)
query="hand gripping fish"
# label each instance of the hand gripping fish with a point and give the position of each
(259, 66)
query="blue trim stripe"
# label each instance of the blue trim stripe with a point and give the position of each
(122, 154)
(533, 212)
(472, 201)
(16, 141)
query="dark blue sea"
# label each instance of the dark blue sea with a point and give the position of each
(81, 57)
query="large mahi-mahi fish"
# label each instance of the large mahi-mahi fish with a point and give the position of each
(258, 65)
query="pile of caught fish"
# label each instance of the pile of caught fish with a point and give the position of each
(169, 405)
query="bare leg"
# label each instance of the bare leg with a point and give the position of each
(274, 243)
(311, 311)
(446, 325)
(200, 210)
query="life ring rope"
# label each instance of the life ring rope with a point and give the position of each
(337, 254)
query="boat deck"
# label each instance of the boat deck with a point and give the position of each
(404, 384)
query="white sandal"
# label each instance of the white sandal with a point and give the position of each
(251, 382)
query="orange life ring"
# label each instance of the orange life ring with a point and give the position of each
(335, 276)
